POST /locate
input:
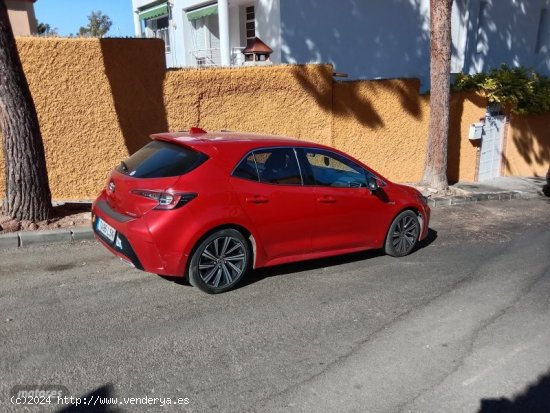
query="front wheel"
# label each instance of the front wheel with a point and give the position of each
(402, 235)
(219, 261)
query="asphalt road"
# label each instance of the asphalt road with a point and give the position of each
(461, 325)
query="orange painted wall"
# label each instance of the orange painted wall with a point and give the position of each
(384, 124)
(462, 154)
(98, 100)
(527, 150)
(283, 100)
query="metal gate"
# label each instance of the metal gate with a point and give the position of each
(492, 134)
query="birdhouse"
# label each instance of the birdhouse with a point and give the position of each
(257, 52)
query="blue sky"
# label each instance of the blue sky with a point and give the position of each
(68, 15)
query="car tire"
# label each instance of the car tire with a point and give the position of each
(403, 234)
(219, 261)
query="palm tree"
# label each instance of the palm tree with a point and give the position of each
(435, 167)
(27, 188)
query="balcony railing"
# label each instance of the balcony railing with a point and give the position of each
(163, 34)
(212, 57)
(206, 57)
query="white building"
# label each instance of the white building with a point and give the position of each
(200, 33)
(364, 38)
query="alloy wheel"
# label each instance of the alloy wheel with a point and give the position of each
(405, 234)
(222, 261)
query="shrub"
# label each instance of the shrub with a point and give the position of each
(520, 88)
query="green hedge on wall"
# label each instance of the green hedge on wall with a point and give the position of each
(521, 89)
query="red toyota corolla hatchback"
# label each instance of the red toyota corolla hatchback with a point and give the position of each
(209, 206)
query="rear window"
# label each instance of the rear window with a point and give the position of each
(160, 159)
(247, 169)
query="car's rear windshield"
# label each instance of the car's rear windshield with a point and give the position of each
(160, 159)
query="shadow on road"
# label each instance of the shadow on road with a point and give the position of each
(296, 267)
(536, 399)
(99, 400)
(431, 237)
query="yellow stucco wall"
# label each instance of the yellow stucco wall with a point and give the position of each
(527, 151)
(283, 100)
(97, 100)
(462, 156)
(384, 124)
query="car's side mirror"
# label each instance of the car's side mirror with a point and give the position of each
(372, 183)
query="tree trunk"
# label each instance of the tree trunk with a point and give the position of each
(27, 189)
(435, 167)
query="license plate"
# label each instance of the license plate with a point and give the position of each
(106, 229)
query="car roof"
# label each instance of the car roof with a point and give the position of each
(223, 139)
(235, 144)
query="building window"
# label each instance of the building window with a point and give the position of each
(159, 28)
(250, 24)
(206, 41)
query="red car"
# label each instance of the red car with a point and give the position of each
(210, 206)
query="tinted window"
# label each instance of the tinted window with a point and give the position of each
(326, 168)
(160, 159)
(278, 166)
(247, 169)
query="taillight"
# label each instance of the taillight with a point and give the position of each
(166, 200)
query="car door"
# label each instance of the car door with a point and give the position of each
(269, 185)
(347, 210)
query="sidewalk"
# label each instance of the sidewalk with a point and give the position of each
(502, 188)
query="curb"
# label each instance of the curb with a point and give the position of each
(9, 241)
(474, 198)
(70, 236)
(28, 238)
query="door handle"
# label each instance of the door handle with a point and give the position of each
(326, 200)
(257, 199)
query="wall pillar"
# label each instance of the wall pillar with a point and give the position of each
(223, 22)
(137, 24)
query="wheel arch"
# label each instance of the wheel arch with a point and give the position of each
(401, 210)
(411, 208)
(247, 234)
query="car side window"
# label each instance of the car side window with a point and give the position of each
(246, 169)
(332, 169)
(278, 166)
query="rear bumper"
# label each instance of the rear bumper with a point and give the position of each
(133, 241)
(120, 247)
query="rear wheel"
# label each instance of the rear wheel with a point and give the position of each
(403, 234)
(219, 261)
